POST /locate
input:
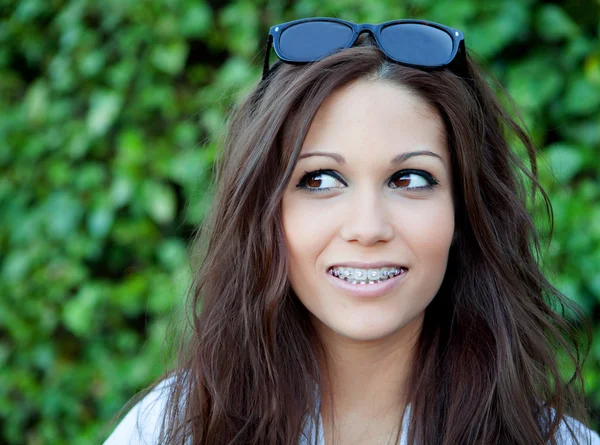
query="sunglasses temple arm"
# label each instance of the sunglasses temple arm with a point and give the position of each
(459, 64)
(267, 53)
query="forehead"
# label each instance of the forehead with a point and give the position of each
(378, 115)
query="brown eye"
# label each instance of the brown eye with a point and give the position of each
(319, 181)
(402, 181)
(416, 179)
(314, 182)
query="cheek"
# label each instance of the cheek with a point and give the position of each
(427, 227)
(307, 229)
(428, 235)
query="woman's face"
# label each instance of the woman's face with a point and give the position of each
(365, 209)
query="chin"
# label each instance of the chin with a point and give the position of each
(375, 328)
(367, 333)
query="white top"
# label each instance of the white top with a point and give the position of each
(141, 425)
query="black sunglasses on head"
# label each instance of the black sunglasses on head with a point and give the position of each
(417, 43)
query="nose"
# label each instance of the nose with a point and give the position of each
(367, 219)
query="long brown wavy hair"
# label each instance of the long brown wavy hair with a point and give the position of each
(486, 369)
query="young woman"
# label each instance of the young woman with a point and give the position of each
(369, 270)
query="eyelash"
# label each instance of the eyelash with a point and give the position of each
(309, 175)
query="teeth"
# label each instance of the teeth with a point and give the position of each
(365, 276)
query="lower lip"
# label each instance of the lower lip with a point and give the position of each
(367, 290)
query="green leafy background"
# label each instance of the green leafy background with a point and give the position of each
(110, 117)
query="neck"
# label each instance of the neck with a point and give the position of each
(366, 380)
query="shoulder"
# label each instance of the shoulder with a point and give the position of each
(141, 425)
(584, 435)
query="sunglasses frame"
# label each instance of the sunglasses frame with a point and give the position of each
(454, 63)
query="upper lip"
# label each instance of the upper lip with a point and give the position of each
(361, 265)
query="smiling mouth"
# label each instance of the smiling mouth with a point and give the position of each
(357, 277)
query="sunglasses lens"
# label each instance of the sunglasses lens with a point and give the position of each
(311, 41)
(417, 44)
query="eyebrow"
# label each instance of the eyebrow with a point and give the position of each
(396, 160)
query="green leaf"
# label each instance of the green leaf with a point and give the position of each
(570, 287)
(79, 312)
(131, 294)
(172, 253)
(100, 220)
(594, 283)
(92, 63)
(104, 109)
(188, 167)
(36, 102)
(170, 58)
(585, 132)
(592, 68)
(489, 35)
(91, 176)
(62, 214)
(241, 21)
(197, 20)
(16, 264)
(553, 23)
(161, 294)
(534, 82)
(61, 73)
(565, 161)
(454, 12)
(582, 96)
(159, 201)
(236, 73)
(121, 191)
(79, 144)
